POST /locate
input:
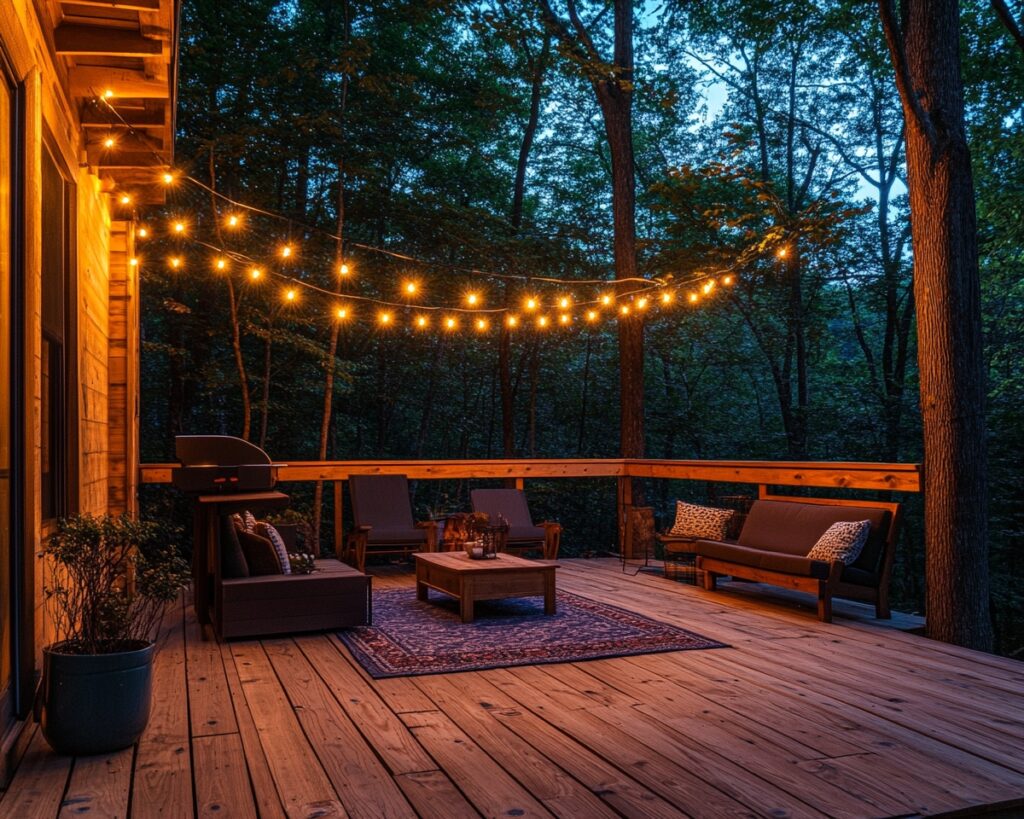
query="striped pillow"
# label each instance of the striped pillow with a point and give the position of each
(270, 533)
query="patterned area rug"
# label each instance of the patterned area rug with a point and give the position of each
(410, 637)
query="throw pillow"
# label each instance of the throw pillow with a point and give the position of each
(842, 541)
(232, 558)
(248, 521)
(705, 522)
(259, 554)
(264, 529)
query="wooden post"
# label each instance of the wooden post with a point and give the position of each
(520, 483)
(338, 509)
(625, 504)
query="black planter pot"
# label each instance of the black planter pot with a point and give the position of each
(96, 703)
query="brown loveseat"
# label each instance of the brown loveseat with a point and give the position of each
(779, 532)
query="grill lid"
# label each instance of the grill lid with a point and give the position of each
(218, 450)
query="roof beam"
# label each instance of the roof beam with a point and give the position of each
(93, 117)
(91, 81)
(124, 159)
(133, 5)
(96, 40)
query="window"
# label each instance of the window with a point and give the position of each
(56, 342)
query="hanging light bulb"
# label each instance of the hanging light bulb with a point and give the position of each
(125, 199)
(142, 232)
(290, 294)
(624, 310)
(221, 263)
(341, 313)
(481, 324)
(782, 252)
(110, 141)
(565, 302)
(233, 220)
(727, 280)
(410, 288)
(175, 262)
(592, 315)
(564, 318)
(384, 318)
(255, 273)
(606, 300)
(179, 228)
(473, 299)
(422, 322)
(666, 297)
(512, 321)
(530, 303)
(133, 262)
(167, 177)
(641, 303)
(343, 269)
(694, 298)
(451, 323)
(542, 322)
(108, 93)
(286, 252)
(709, 285)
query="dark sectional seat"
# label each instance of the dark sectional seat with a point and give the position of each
(780, 531)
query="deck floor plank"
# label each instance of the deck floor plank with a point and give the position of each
(796, 717)
(42, 777)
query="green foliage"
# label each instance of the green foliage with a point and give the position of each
(109, 582)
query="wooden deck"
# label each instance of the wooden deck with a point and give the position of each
(797, 718)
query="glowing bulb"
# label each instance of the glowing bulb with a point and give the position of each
(108, 93)
(168, 178)
(133, 262)
(666, 297)
(142, 232)
(782, 252)
(481, 324)
(175, 262)
(450, 323)
(233, 221)
(421, 321)
(624, 310)
(343, 269)
(410, 288)
(472, 299)
(290, 294)
(512, 321)
(286, 252)
(694, 298)
(641, 303)
(221, 264)
(342, 313)
(109, 142)
(727, 280)
(564, 303)
(606, 300)
(179, 227)
(709, 286)
(125, 199)
(565, 318)
(255, 273)
(542, 322)
(531, 303)
(591, 315)
(384, 318)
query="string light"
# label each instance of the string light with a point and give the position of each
(624, 310)
(727, 280)
(133, 262)
(451, 323)
(142, 232)
(384, 318)
(564, 303)
(290, 294)
(233, 221)
(666, 297)
(343, 269)
(168, 178)
(108, 93)
(179, 227)
(542, 322)
(709, 286)
(255, 273)
(565, 318)
(606, 300)
(422, 322)
(512, 321)
(694, 298)
(109, 142)
(782, 252)
(341, 313)
(481, 324)
(175, 262)
(530, 303)
(286, 252)
(410, 288)
(591, 315)
(641, 303)
(472, 299)
(221, 263)
(125, 199)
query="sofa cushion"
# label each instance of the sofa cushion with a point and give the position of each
(701, 521)
(519, 534)
(762, 559)
(843, 541)
(264, 529)
(793, 528)
(260, 554)
(232, 558)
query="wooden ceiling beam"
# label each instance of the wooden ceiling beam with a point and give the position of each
(93, 117)
(105, 160)
(111, 42)
(131, 5)
(92, 81)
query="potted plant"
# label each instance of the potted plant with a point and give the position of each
(109, 583)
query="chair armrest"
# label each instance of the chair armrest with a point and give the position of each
(430, 527)
(552, 538)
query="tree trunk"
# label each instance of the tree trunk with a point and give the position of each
(265, 395)
(925, 51)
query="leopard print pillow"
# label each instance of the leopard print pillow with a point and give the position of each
(842, 541)
(705, 522)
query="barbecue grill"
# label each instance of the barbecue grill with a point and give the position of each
(221, 464)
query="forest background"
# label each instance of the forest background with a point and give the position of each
(769, 147)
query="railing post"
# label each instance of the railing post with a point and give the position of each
(520, 483)
(625, 506)
(339, 548)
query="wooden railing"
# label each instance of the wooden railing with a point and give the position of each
(819, 474)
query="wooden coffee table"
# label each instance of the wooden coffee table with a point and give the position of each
(468, 580)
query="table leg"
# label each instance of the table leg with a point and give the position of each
(466, 600)
(422, 591)
(550, 607)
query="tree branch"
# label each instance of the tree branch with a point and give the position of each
(1006, 17)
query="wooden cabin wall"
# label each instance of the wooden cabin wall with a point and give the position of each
(123, 374)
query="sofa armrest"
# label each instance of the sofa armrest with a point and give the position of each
(430, 528)
(552, 538)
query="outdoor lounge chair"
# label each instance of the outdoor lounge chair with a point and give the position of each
(523, 534)
(382, 520)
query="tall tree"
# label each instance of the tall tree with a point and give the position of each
(612, 82)
(924, 45)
